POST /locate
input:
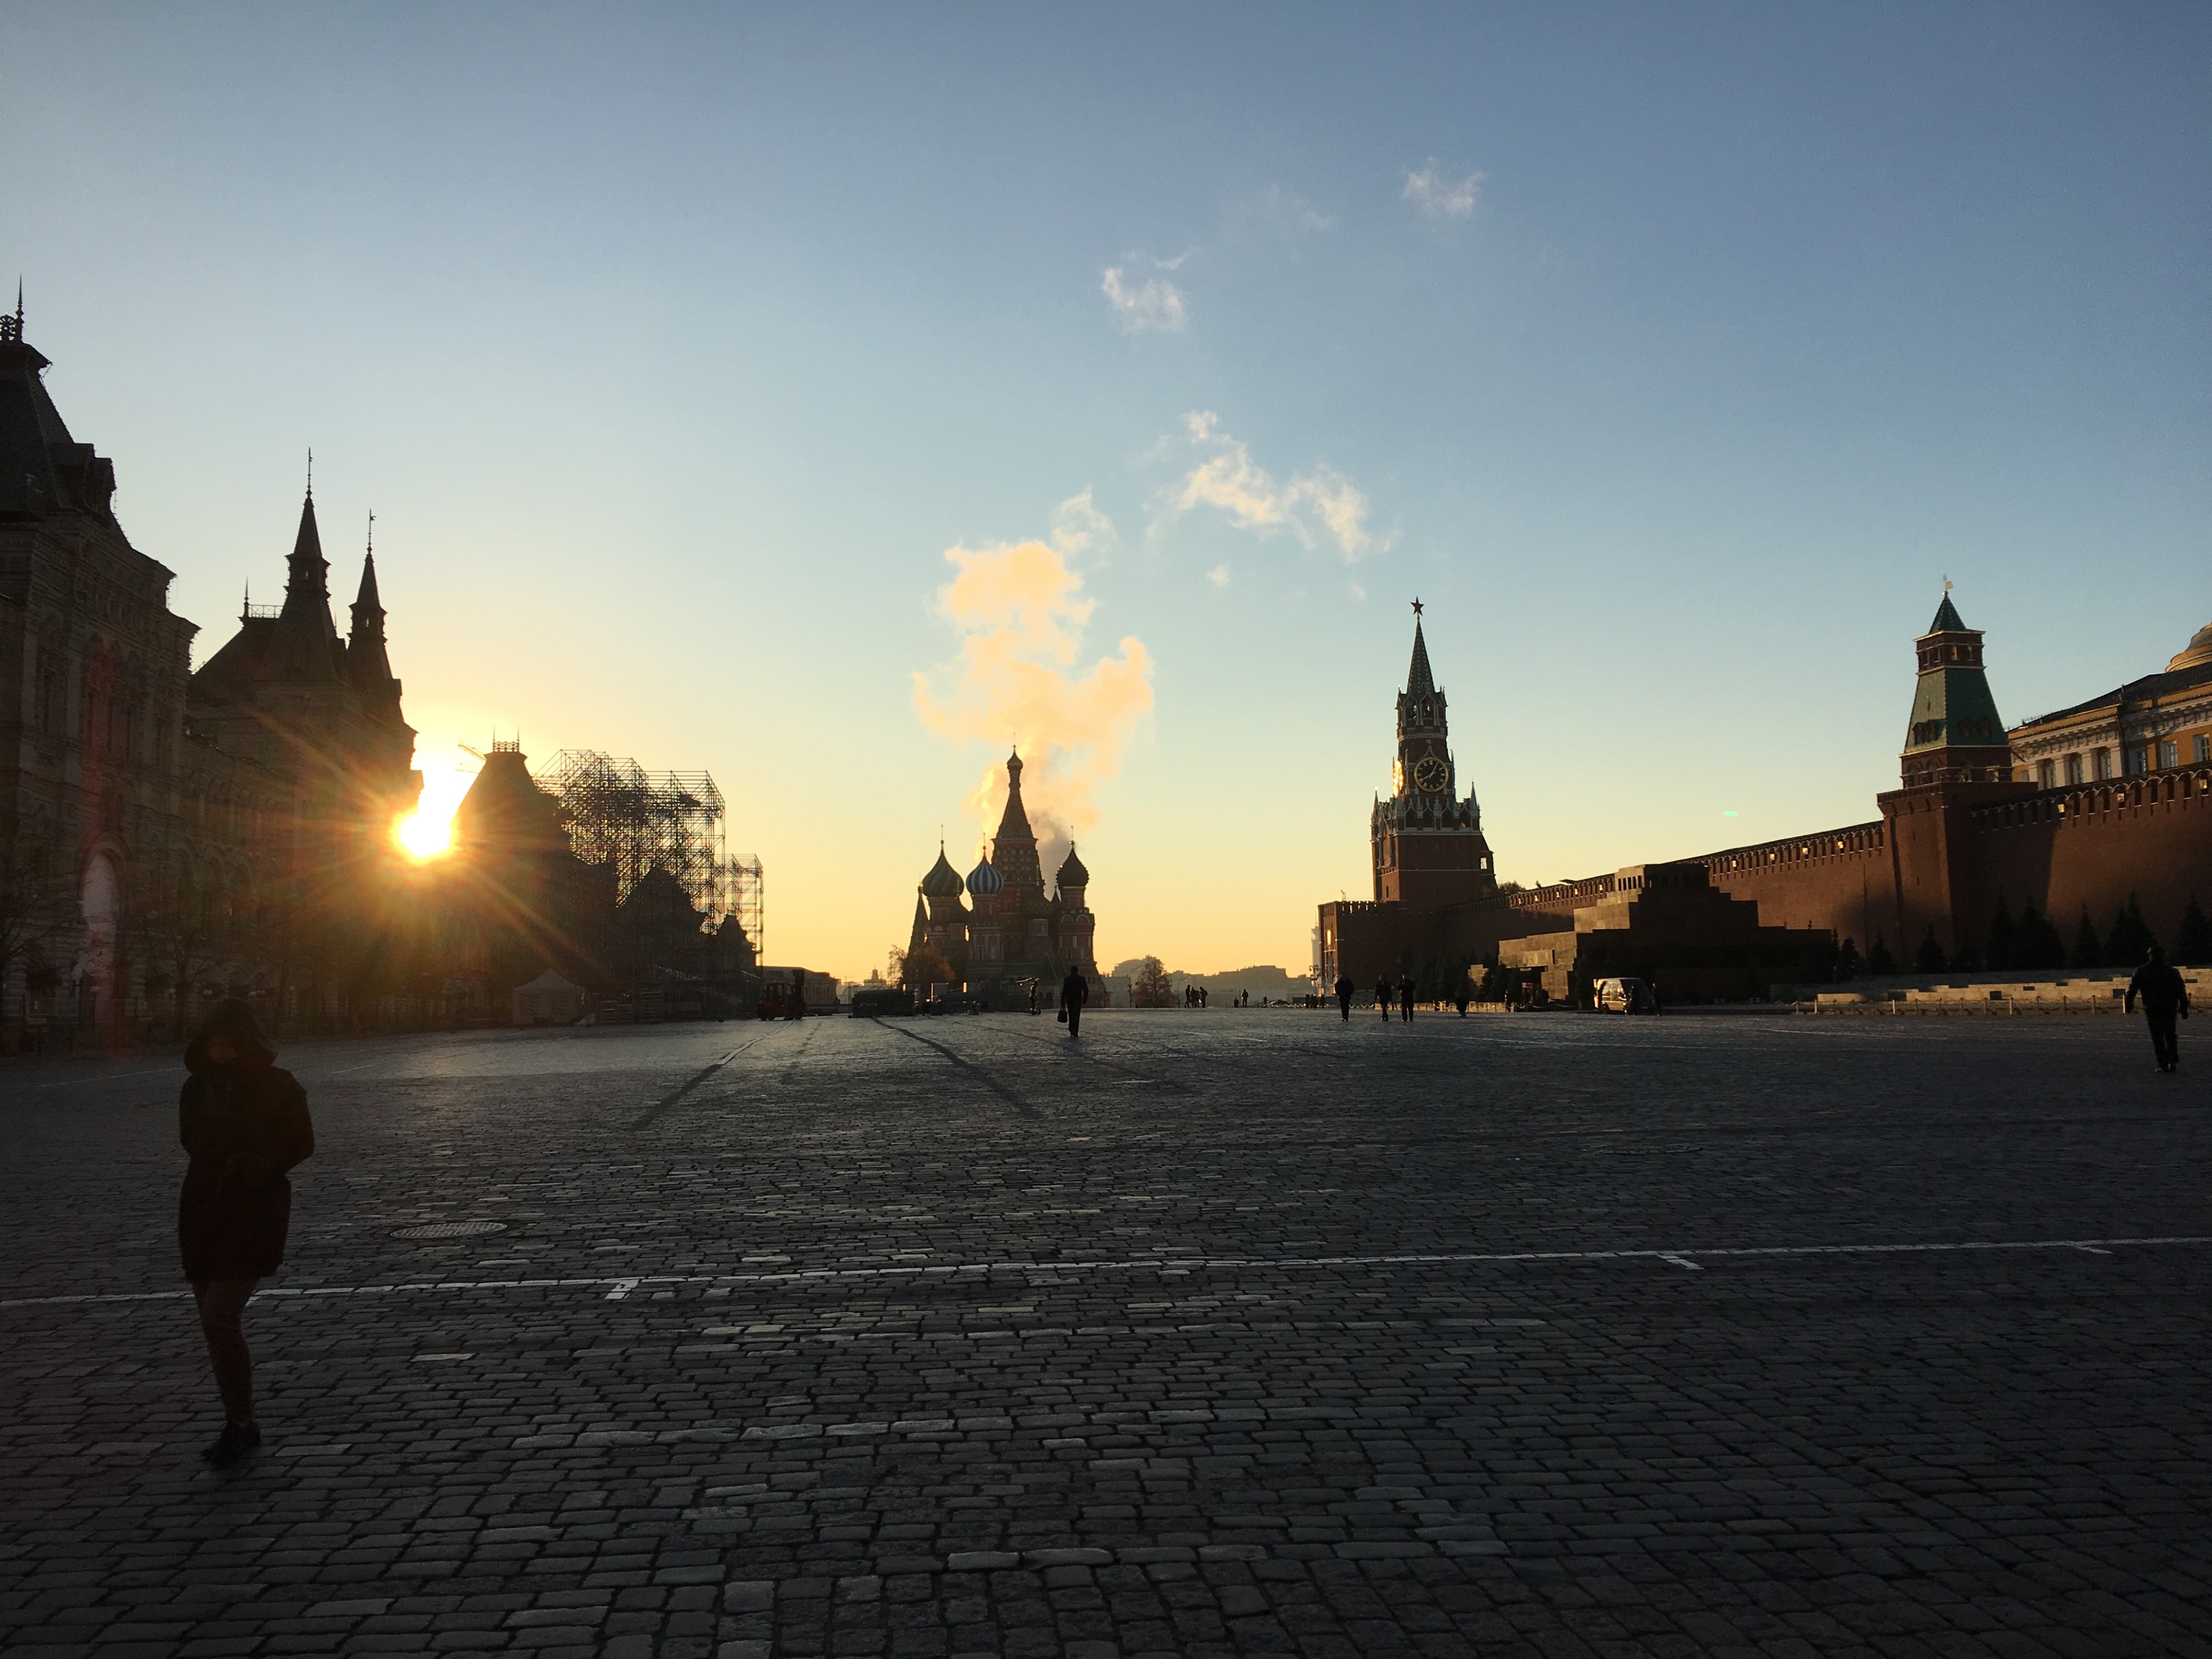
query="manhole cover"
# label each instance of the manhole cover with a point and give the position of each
(450, 1230)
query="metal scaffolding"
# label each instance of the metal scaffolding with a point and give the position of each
(618, 812)
(749, 901)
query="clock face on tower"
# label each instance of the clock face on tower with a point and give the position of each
(1431, 775)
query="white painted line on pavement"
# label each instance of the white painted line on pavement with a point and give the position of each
(620, 1287)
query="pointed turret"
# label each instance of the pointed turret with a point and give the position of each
(1015, 820)
(1954, 733)
(1420, 682)
(1014, 849)
(305, 646)
(367, 664)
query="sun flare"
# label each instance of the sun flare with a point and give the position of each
(423, 837)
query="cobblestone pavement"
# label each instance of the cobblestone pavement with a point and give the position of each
(1219, 1334)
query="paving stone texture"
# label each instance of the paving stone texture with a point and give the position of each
(1223, 1333)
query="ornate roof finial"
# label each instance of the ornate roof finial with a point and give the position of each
(1417, 607)
(372, 532)
(311, 472)
(11, 328)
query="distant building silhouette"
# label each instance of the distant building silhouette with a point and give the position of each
(1009, 929)
(1984, 818)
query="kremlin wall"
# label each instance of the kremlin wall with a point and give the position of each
(2101, 808)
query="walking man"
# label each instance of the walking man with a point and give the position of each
(1406, 998)
(1344, 987)
(244, 1123)
(1074, 992)
(2165, 994)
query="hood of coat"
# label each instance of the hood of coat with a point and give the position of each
(232, 1018)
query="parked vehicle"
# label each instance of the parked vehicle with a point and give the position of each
(1625, 996)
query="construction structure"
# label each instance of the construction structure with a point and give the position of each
(620, 815)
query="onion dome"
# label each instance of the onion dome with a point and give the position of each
(1072, 873)
(943, 881)
(984, 880)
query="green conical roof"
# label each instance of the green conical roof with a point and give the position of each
(1948, 620)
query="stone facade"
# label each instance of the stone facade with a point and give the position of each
(168, 836)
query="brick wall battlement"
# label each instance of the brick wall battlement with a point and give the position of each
(2075, 804)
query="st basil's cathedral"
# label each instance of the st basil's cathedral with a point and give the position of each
(998, 926)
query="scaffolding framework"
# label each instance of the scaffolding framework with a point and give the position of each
(618, 812)
(749, 901)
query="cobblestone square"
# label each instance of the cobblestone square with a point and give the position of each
(1222, 1333)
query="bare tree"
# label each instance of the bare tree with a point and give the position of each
(34, 906)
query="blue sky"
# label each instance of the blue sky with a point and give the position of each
(1673, 356)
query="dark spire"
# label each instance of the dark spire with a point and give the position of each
(1948, 620)
(1014, 822)
(1420, 682)
(306, 646)
(366, 663)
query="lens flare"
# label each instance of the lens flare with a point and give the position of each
(421, 836)
(427, 833)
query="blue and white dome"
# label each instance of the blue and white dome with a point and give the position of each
(984, 879)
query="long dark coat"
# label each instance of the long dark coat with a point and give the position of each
(244, 1123)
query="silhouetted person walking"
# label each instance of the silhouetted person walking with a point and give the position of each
(244, 1123)
(1382, 998)
(1074, 992)
(1344, 987)
(2165, 994)
(1406, 998)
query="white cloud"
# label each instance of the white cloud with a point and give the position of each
(1076, 524)
(1155, 303)
(1219, 575)
(1319, 504)
(1292, 210)
(1441, 198)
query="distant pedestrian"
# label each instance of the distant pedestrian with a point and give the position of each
(1344, 987)
(244, 1121)
(1406, 998)
(2165, 994)
(1074, 992)
(1383, 998)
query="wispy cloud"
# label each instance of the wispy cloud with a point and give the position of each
(1154, 303)
(1440, 197)
(1021, 613)
(1219, 575)
(1292, 211)
(1321, 504)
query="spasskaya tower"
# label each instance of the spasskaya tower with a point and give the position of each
(1428, 847)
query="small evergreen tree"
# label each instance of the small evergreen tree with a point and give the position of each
(2193, 944)
(2088, 949)
(2050, 949)
(1848, 963)
(2131, 939)
(1879, 963)
(1930, 959)
(2001, 938)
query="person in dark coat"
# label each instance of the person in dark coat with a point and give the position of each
(1074, 992)
(1406, 998)
(244, 1121)
(1383, 998)
(2165, 996)
(1344, 987)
